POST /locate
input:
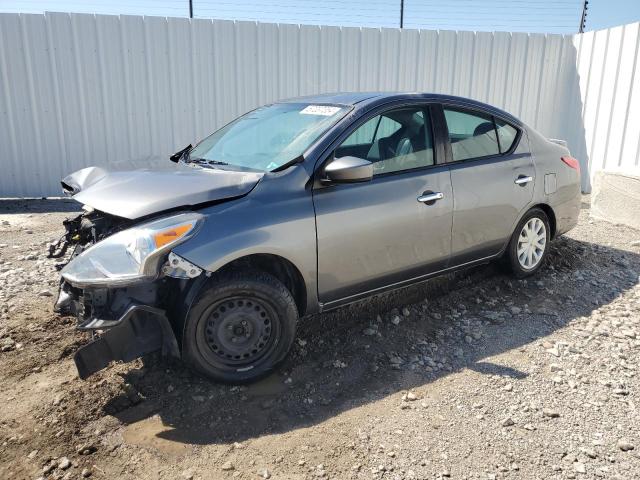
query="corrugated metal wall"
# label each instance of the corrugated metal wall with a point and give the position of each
(81, 90)
(609, 73)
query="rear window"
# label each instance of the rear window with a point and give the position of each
(472, 135)
(477, 135)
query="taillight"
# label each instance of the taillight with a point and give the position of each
(572, 162)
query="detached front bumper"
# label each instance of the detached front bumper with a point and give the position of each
(141, 330)
(129, 321)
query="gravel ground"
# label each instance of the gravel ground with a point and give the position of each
(471, 376)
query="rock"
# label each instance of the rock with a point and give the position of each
(508, 387)
(32, 455)
(187, 474)
(395, 360)
(369, 331)
(515, 310)
(45, 293)
(265, 473)
(553, 351)
(64, 463)
(547, 412)
(7, 344)
(86, 449)
(625, 445)
(227, 466)
(589, 452)
(507, 422)
(579, 467)
(86, 473)
(410, 397)
(396, 320)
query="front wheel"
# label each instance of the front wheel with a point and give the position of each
(529, 244)
(241, 327)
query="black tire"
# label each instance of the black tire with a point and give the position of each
(512, 260)
(240, 327)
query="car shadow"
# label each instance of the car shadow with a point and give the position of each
(388, 344)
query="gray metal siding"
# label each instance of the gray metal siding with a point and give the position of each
(80, 90)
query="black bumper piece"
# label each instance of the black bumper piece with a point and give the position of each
(141, 330)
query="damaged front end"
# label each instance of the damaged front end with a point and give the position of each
(123, 284)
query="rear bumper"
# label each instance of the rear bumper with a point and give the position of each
(567, 213)
(139, 331)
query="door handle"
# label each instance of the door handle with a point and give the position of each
(430, 197)
(523, 180)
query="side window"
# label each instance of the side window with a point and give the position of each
(472, 135)
(387, 127)
(398, 140)
(506, 135)
(364, 134)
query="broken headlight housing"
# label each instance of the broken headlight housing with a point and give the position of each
(132, 254)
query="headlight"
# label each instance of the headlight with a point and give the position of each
(131, 254)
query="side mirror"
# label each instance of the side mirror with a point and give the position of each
(348, 170)
(178, 155)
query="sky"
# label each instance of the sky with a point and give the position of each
(546, 16)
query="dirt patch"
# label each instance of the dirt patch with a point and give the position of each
(474, 376)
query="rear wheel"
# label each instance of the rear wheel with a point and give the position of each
(529, 243)
(241, 327)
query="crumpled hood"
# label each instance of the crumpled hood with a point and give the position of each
(137, 193)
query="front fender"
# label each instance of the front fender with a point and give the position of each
(282, 225)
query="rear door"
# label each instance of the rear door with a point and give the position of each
(492, 176)
(385, 231)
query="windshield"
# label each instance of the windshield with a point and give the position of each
(267, 137)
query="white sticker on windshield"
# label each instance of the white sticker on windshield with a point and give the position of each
(324, 110)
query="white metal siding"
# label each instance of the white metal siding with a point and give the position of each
(608, 65)
(79, 90)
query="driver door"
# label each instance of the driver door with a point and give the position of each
(385, 232)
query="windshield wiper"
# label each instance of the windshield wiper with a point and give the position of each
(284, 166)
(176, 157)
(206, 161)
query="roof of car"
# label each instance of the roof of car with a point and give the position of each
(346, 98)
(365, 98)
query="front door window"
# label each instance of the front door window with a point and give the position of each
(394, 141)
